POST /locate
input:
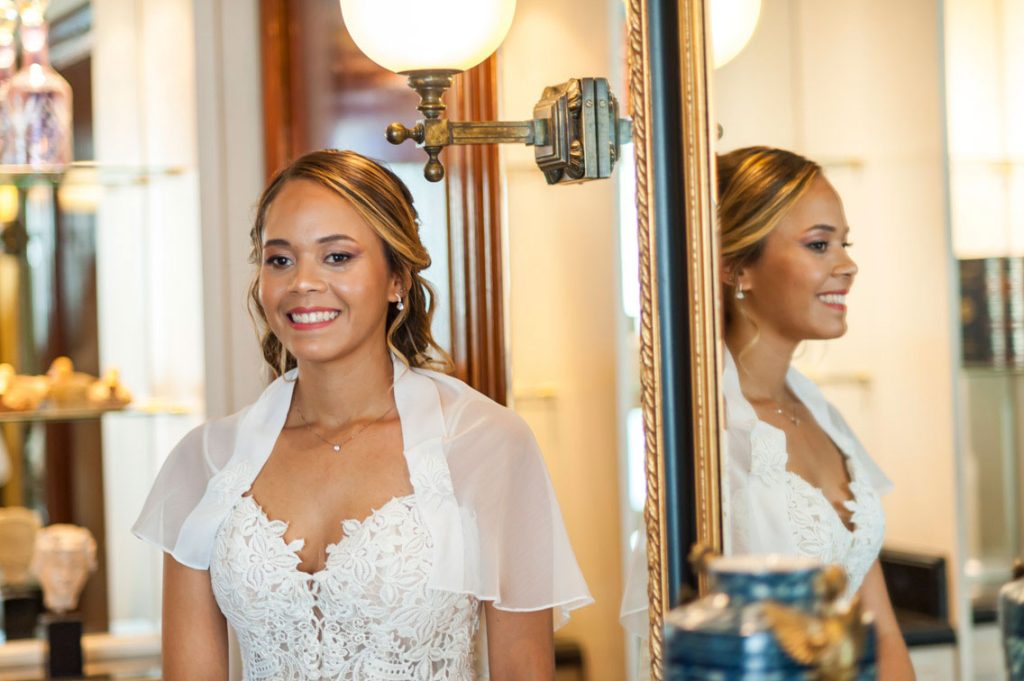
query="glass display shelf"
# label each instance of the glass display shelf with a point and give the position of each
(85, 174)
(57, 414)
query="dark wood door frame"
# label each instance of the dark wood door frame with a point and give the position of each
(473, 185)
(475, 249)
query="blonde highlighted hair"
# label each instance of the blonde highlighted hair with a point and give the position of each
(386, 204)
(756, 187)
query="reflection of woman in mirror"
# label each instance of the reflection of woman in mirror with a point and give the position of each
(798, 481)
(356, 519)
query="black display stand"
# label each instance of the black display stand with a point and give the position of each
(64, 634)
(22, 605)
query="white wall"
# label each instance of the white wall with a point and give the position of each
(230, 143)
(563, 301)
(985, 52)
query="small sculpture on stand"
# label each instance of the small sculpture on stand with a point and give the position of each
(64, 557)
(21, 597)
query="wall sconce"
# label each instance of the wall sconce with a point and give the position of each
(575, 130)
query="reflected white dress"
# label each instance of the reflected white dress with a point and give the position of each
(399, 595)
(768, 509)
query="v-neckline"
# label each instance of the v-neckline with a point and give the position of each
(329, 548)
(847, 462)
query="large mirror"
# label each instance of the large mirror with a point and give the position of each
(912, 109)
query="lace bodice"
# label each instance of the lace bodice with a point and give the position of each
(813, 526)
(768, 509)
(368, 615)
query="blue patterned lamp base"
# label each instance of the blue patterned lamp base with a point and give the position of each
(729, 634)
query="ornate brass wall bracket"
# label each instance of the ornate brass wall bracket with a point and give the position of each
(575, 130)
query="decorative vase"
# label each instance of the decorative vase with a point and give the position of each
(770, 618)
(8, 58)
(1011, 622)
(8, 50)
(37, 109)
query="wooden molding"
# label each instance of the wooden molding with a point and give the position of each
(474, 235)
(283, 128)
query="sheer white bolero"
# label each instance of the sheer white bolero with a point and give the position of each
(479, 482)
(768, 509)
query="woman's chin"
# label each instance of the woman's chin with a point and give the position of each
(316, 355)
(831, 332)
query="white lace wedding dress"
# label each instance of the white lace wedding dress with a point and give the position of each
(368, 615)
(769, 509)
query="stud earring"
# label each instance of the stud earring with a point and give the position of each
(739, 294)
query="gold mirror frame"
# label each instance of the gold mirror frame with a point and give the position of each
(683, 503)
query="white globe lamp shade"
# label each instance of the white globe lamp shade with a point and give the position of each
(440, 35)
(732, 25)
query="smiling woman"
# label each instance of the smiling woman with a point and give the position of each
(797, 480)
(413, 503)
(368, 239)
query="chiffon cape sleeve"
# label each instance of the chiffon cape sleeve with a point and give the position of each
(518, 554)
(480, 484)
(181, 484)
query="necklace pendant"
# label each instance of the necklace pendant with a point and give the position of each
(336, 448)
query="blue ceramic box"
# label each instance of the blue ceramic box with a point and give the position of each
(731, 634)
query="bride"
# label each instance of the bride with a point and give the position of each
(797, 480)
(357, 519)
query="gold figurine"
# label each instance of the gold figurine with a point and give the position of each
(68, 388)
(108, 392)
(832, 642)
(21, 393)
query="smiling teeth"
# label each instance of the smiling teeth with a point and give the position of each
(833, 298)
(313, 317)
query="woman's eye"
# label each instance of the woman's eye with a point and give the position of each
(277, 261)
(820, 246)
(338, 258)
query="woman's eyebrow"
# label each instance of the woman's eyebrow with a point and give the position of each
(831, 229)
(284, 243)
(334, 237)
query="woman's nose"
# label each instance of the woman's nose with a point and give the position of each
(846, 267)
(307, 277)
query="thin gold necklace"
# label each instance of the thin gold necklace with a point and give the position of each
(791, 416)
(776, 406)
(336, 446)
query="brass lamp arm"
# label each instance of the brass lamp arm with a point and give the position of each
(575, 130)
(434, 134)
(442, 132)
